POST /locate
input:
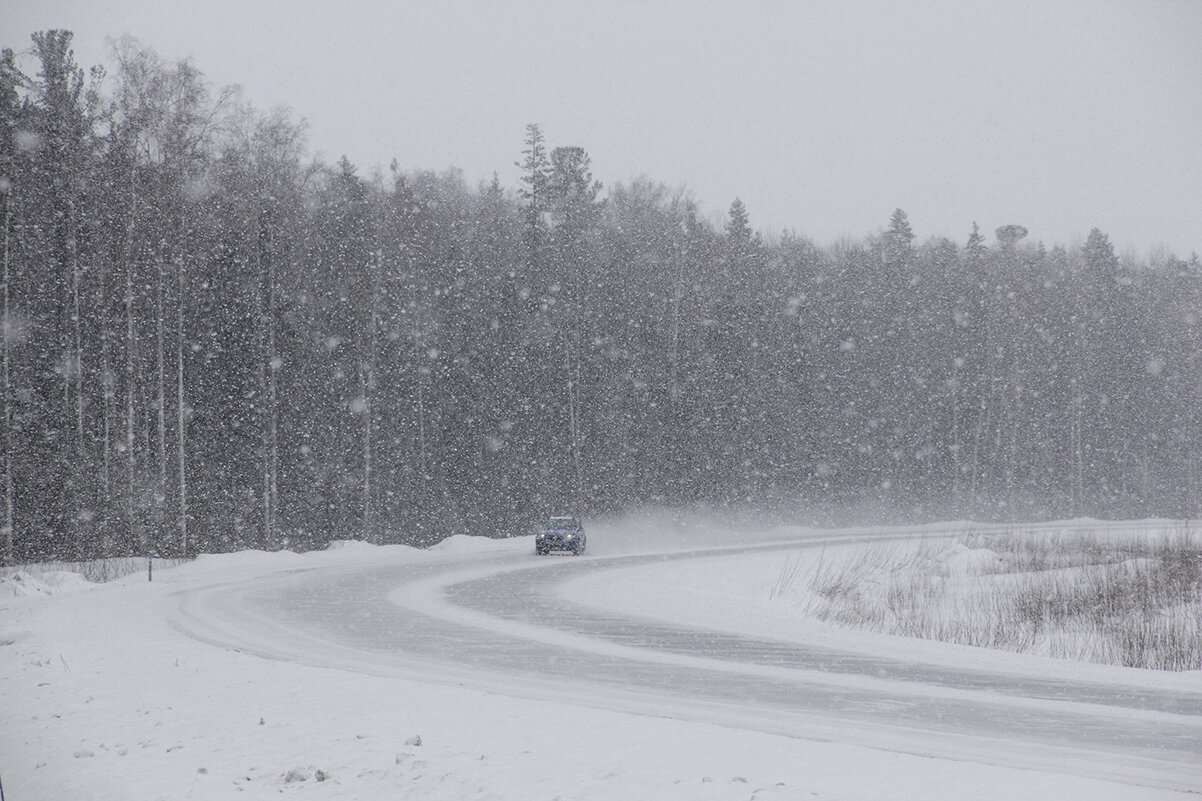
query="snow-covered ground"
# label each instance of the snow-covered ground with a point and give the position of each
(137, 690)
(770, 593)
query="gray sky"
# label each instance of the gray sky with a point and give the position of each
(1059, 115)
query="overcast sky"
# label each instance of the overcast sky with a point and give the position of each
(822, 116)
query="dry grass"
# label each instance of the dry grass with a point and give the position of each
(95, 570)
(1088, 596)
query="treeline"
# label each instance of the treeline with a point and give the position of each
(212, 342)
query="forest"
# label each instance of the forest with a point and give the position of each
(212, 341)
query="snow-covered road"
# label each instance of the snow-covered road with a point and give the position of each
(503, 621)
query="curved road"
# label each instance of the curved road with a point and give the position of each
(497, 622)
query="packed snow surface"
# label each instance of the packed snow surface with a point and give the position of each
(663, 665)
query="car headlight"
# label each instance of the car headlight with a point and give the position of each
(541, 535)
(569, 535)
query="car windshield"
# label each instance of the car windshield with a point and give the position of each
(561, 523)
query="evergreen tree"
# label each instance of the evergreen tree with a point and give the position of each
(10, 79)
(738, 223)
(536, 175)
(573, 202)
(1099, 256)
(202, 328)
(1009, 235)
(58, 141)
(974, 249)
(900, 236)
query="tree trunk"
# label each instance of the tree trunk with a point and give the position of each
(160, 497)
(273, 438)
(180, 406)
(267, 368)
(107, 381)
(134, 533)
(368, 382)
(956, 448)
(568, 387)
(6, 333)
(77, 346)
(572, 374)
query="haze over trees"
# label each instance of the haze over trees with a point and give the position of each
(212, 342)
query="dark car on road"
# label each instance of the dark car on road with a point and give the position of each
(560, 534)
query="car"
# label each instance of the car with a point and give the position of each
(560, 533)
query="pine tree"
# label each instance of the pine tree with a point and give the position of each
(571, 191)
(1009, 235)
(536, 175)
(60, 122)
(572, 196)
(899, 238)
(10, 79)
(1099, 255)
(975, 247)
(738, 224)
(899, 225)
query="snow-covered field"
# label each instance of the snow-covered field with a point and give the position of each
(928, 585)
(137, 690)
